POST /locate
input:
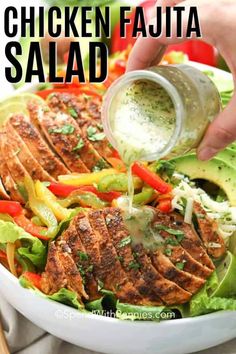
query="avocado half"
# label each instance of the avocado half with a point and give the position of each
(220, 170)
(25, 44)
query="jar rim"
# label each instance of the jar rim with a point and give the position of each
(155, 77)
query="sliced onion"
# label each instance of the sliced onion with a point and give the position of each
(189, 211)
(10, 251)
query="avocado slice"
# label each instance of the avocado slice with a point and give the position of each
(228, 155)
(218, 171)
(25, 44)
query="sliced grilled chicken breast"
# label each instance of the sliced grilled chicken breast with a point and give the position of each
(66, 138)
(82, 259)
(190, 240)
(37, 146)
(86, 111)
(185, 280)
(31, 165)
(62, 272)
(7, 180)
(213, 242)
(100, 244)
(10, 152)
(109, 270)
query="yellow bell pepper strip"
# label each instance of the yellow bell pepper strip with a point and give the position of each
(51, 202)
(146, 196)
(117, 164)
(84, 199)
(86, 179)
(118, 182)
(40, 209)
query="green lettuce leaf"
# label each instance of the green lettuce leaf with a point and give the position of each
(203, 303)
(95, 306)
(63, 296)
(148, 313)
(66, 297)
(32, 248)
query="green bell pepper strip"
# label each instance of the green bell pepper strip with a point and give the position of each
(41, 210)
(144, 197)
(118, 182)
(85, 199)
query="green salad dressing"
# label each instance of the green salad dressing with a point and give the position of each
(143, 120)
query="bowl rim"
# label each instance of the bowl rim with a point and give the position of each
(80, 315)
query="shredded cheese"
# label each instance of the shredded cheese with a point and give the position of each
(186, 193)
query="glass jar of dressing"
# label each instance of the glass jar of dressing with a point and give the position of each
(159, 112)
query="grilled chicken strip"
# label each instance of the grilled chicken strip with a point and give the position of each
(61, 137)
(31, 165)
(65, 137)
(191, 242)
(10, 152)
(82, 259)
(185, 280)
(62, 272)
(213, 242)
(168, 291)
(109, 269)
(8, 182)
(118, 234)
(86, 111)
(37, 146)
(178, 255)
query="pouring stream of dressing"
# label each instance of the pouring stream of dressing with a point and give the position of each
(143, 120)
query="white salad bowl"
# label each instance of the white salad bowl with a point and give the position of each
(108, 335)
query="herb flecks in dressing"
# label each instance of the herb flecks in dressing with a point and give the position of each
(143, 121)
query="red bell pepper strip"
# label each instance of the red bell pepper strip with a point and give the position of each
(151, 178)
(3, 255)
(165, 206)
(120, 66)
(63, 190)
(33, 278)
(10, 208)
(31, 228)
(115, 154)
(75, 91)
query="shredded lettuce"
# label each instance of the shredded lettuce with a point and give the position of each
(32, 248)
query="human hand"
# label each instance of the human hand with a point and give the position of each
(218, 27)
